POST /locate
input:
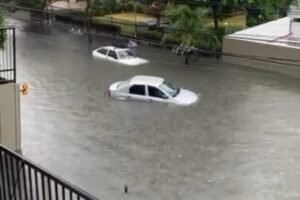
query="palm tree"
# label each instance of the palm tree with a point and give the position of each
(216, 6)
(157, 8)
(188, 27)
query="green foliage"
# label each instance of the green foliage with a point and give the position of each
(259, 11)
(139, 8)
(130, 6)
(97, 8)
(2, 33)
(152, 35)
(29, 3)
(188, 27)
(104, 7)
(110, 5)
(117, 8)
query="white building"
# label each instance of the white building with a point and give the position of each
(273, 46)
(10, 129)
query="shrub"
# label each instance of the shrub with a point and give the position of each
(152, 35)
(139, 8)
(130, 6)
(98, 8)
(29, 3)
(110, 5)
(2, 33)
(118, 8)
(106, 27)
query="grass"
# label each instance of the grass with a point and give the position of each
(127, 22)
(236, 21)
(127, 17)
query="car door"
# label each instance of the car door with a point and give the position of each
(137, 92)
(112, 55)
(155, 94)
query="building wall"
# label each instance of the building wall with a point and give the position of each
(295, 29)
(242, 49)
(10, 116)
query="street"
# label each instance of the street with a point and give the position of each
(240, 141)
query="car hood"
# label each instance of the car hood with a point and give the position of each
(133, 61)
(114, 86)
(186, 97)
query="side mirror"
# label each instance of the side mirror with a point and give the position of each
(164, 96)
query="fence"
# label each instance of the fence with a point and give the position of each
(20, 179)
(132, 24)
(7, 55)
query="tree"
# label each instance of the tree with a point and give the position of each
(2, 32)
(88, 19)
(29, 3)
(216, 6)
(188, 27)
(157, 8)
(260, 11)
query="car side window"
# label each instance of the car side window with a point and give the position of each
(112, 54)
(154, 92)
(137, 89)
(102, 51)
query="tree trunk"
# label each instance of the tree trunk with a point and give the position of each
(87, 20)
(45, 14)
(216, 19)
(43, 4)
(158, 18)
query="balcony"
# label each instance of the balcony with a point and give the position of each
(21, 179)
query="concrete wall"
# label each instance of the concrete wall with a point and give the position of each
(295, 29)
(264, 52)
(10, 116)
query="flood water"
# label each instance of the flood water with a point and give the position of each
(240, 141)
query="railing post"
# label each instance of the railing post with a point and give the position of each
(14, 55)
(20, 177)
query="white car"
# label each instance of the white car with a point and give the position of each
(151, 89)
(120, 55)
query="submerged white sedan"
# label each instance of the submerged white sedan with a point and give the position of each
(120, 55)
(151, 89)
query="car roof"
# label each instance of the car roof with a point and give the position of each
(113, 48)
(146, 80)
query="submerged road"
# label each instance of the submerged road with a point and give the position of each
(239, 142)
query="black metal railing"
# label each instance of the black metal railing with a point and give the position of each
(20, 179)
(7, 55)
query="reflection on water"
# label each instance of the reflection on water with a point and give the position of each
(239, 142)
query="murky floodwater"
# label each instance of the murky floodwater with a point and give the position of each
(241, 141)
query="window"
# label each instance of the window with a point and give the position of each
(169, 88)
(296, 20)
(125, 54)
(102, 51)
(112, 54)
(137, 89)
(154, 92)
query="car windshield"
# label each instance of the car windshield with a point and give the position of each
(169, 88)
(125, 54)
